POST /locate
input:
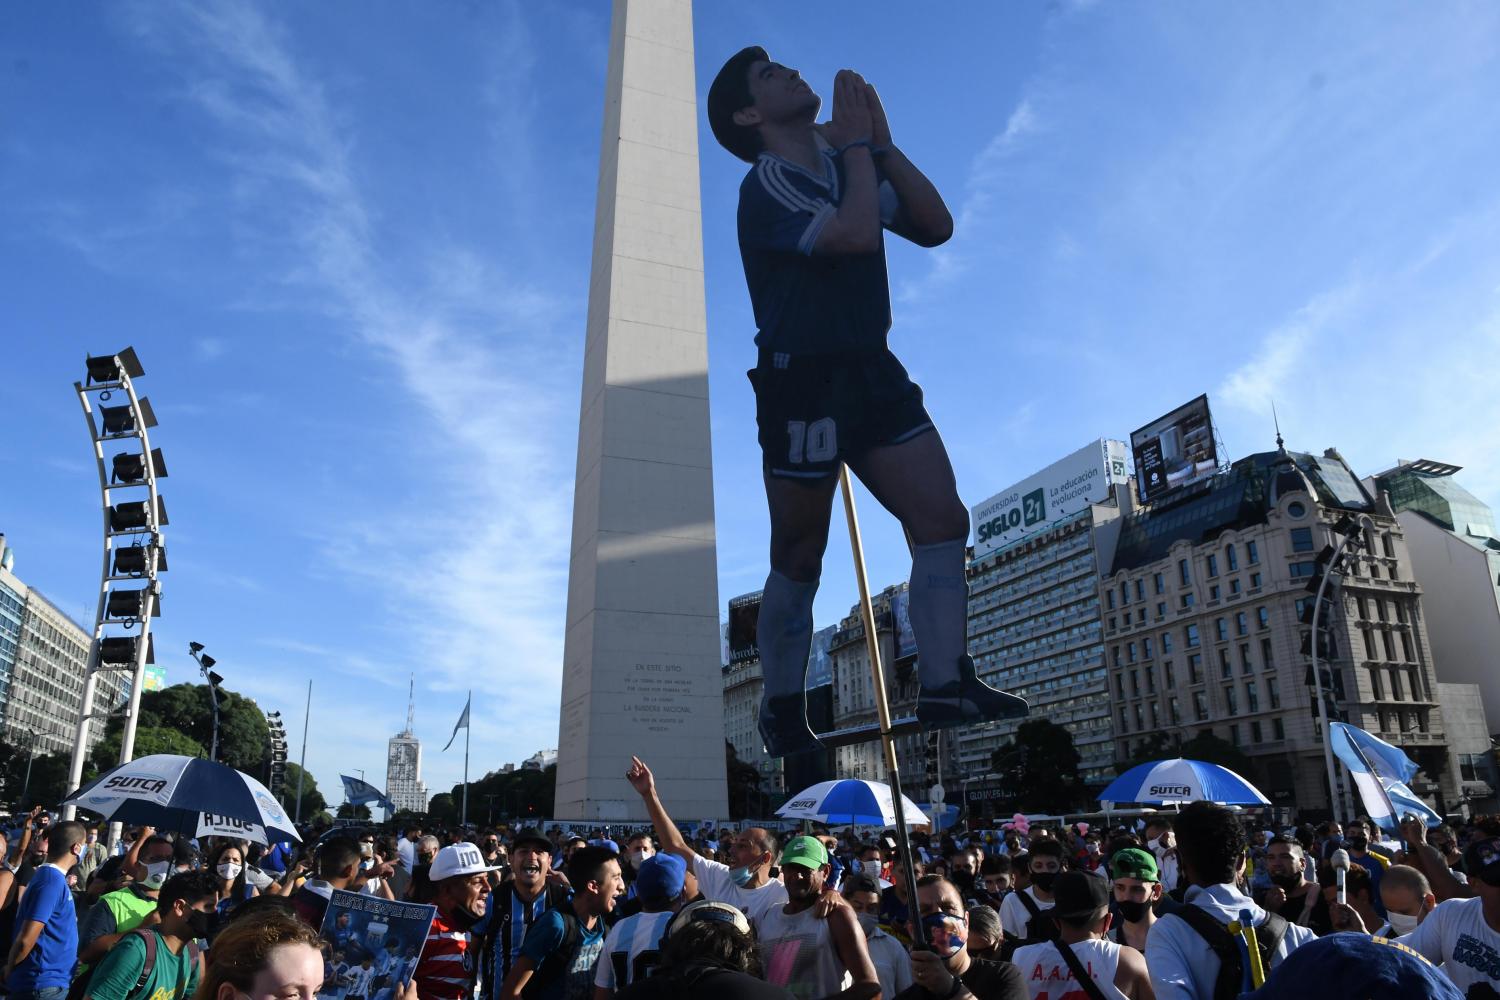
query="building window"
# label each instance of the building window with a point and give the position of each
(1393, 568)
(1114, 652)
(1254, 581)
(1140, 723)
(1388, 545)
(1234, 586)
(1252, 554)
(1150, 681)
(1195, 668)
(1301, 569)
(1155, 716)
(1396, 691)
(1111, 623)
(1168, 674)
(1225, 670)
(1140, 590)
(1146, 648)
(1380, 608)
(1231, 560)
(1231, 703)
(1302, 540)
(1252, 699)
(1359, 603)
(1400, 612)
(1416, 686)
(1389, 644)
(1255, 732)
(1385, 720)
(1369, 635)
(1273, 692)
(1161, 610)
(1213, 592)
(1124, 723)
(1245, 667)
(1278, 731)
(1211, 562)
(1130, 652)
(1135, 684)
(1183, 573)
(1158, 582)
(1187, 599)
(1200, 706)
(1242, 623)
(1124, 592)
(1234, 734)
(1374, 570)
(1221, 629)
(1192, 635)
(1267, 662)
(1375, 685)
(1422, 725)
(1109, 600)
(1166, 643)
(1120, 685)
(1174, 711)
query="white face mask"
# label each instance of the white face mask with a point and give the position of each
(638, 858)
(869, 922)
(230, 870)
(1402, 923)
(156, 874)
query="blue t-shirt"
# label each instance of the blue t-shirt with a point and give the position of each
(49, 902)
(577, 979)
(807, 304)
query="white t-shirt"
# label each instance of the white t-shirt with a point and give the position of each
(1048, 977)
(714, 882)
(636, 935)
(798, 954)
(1014, 916)
(892, 963)
(1456, 936)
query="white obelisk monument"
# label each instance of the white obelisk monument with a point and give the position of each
(641, 661)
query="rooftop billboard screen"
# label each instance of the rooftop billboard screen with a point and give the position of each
(1175, 450)
(744, 615)
(1061, 490)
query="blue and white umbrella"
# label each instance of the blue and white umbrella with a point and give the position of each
(189, 795)
(850, 802)
(1178, 781)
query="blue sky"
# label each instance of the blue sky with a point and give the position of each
(351, 246)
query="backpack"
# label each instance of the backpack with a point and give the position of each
(80, 987)
(1042, 924)
(556, 964)
(1268, 938)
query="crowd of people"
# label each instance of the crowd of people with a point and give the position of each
(1161, 908)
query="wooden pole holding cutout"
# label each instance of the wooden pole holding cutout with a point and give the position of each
(882, 707)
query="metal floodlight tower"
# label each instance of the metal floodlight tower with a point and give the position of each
(134, 555)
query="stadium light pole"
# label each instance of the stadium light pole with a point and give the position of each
(133, 552)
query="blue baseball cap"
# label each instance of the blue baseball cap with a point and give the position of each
(661, 878)
(1351, 966)
(605, 842)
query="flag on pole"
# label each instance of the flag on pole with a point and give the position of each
(357, 792)
(462, 723)
(1380, 772)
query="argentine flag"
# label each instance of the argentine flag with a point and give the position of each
(358, 792)
(1380, 772)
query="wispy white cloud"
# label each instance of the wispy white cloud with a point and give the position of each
(1256, 384)
(470, 566)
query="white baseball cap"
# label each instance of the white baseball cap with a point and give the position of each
(458, 859)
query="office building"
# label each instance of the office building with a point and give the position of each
(1206, 606)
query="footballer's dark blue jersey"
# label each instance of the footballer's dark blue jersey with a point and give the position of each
(806, 303)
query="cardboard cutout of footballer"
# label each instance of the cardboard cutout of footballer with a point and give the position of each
(813, 213)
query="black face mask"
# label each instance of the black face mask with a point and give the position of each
(1288, 882)
(464, 918)
(200, 922)
(1132, 912)
(1359, 843)
(1043, 880)
(425, 859)
(964, 880)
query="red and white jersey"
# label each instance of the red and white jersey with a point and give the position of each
(1048, 977)
(446, 970)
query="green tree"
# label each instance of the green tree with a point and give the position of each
(48, 779)
(505, 795)
(244, 737)
(1157, 746)
(1039, 768)
(442, 808)
(312, 799)
(349, 810)
(148, 740)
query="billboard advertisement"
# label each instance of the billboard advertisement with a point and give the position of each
(819, 662)
(1175, 450)
(155, 678)
(1061, 490)
(744, 615)
(906, 639)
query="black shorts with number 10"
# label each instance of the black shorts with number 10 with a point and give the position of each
(816, 411)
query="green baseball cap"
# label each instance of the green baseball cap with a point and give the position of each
(805, 851)
(1132, 862)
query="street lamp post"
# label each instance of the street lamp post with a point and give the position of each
(1352, 530)
(206, 668)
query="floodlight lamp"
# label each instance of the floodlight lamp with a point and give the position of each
(117, 420)
(109, 367)
(129, 516)
(214, 678)
(206, 662)
(1347, 524)
(195, 647)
